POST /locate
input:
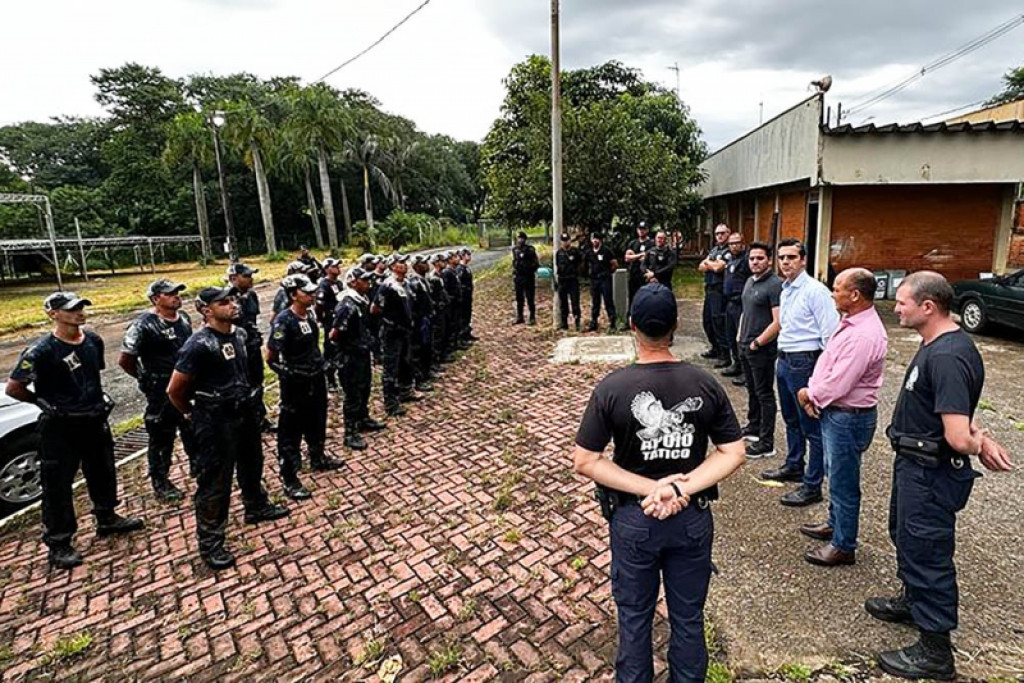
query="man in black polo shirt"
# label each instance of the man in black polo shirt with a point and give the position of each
(601, 264)
(737, 270)
(661, 261)
(64, 368)
(934, 434)
(636, 258)
(661, 414)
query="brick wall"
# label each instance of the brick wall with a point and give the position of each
(948, 228)
(793, 215)
(1016, 259)
(765, 210)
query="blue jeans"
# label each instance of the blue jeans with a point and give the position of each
(643, 550)
(845, 437)
(793, 372)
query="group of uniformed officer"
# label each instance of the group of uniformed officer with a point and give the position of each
(207, 385)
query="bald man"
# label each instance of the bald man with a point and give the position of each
(843, 394)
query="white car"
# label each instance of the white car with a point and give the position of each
(19, 454)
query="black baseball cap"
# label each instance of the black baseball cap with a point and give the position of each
(163, 286)
(596, 235)
(565, 237)
(654, 310)
(521, 235)
(210, 295)
(294, 282)
(241, 269)
(358, 273)
(64, 301)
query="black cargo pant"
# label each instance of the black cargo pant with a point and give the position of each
(227, 439)
(713, 318)
(733, 311)
(569, 297)
(65, 444)
(439, 338)
(422, 350)
(601, 288)
(526, 291)
(396, 378)
(164, 422)
(332, 369)
(466, 314)
(254, 371)
(636, 281)
(356, 379)
(759, 372)
(303, 416)
(453, 325)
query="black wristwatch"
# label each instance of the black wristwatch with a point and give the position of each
(679, 494)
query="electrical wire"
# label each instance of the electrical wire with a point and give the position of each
(878, 95)
(954, 110)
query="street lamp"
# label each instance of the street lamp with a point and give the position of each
(216, 121)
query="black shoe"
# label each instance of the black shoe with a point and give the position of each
(424, 386)
(268, 513)
(116, 524)
(783, 474)
(750, 434)
(219, 559)
(395, 410)
(757, 450)
(722, 363)
(326, 464)
(167, 492)
(518, 321)
(355, 441)
(371, 425)
(710, 353)
(930, 657)
(801, 497)
(63, 557)
(739, 382)
(449, 358)
(296, 491)
(472, 337)
(532, 321)
(892, 610)
(733, 370)
(410, 397)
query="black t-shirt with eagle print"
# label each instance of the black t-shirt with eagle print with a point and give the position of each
(660, 417)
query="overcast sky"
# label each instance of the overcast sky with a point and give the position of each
(443, 69)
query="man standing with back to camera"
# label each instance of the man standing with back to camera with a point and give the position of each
(656, 490)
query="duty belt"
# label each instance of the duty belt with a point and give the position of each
(611, 500)
(927, 453)
(227, 404)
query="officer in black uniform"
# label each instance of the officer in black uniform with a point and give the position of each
(934, 434)
(601, 263)
(713, 267)
(351, 335)
(293, 352)
(636, 258)
(377, 276)
(661, 261)
(248, 306)
(328, 291)
(737, 271)
(314, 269)
(393, 304)
(64, 367)
(567, 269)
(453, 288)
(661, 414)
(281, 300)
(439, 321)
(524, 273)
(465, 274)
(148, 353)
(422, 312)
(210, 386)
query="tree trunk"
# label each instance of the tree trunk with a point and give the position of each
(263, 188)
(325, 190)
(201, 217)
(368, 201)
(314, 214)
(401, 193)
(345, 213)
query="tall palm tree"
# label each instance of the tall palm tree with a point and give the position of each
(253, 135)
(366, 151)
(401, 153)
(188, 141)
(293, 159)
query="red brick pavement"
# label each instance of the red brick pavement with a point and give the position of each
(461, 528)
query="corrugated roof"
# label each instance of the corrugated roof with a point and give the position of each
(1015, 126)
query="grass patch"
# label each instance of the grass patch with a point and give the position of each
(687, 281)
(1019, 426)
(986, 405)
(469, 609)
(125, 426)
(372, 651)
(512, 536)
(6, 654)
(795, 672)
(447, 659)
(718, 672)
(67, 647)
(578, 563)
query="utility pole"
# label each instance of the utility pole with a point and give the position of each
(675, 67)
(556, 153)
(216, 121)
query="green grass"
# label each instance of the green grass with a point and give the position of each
(986, 405)
(687, 281)
(469, 609)
(718, 672)
(795, 672)
(373, 650)
(578, 563)
(125, 426)
(67, 647)
(445, 660)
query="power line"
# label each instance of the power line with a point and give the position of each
(373, 44)
(954, 110)
(875, 96)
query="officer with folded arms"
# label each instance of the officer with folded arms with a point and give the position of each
(293, 352)
(64, 367)
(353, 339)
(240, 277)
(328, 290)
(422, 312)
(210, 386)
(394, 306)
(148, 353)
(567, 268)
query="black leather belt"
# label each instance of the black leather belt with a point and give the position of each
(851, 409)
(789, 354)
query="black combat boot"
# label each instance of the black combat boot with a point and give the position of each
(370, 425)
(893, 610)
(63, 556)
(533, 320)
(424, 386)
(519, 320)
(325, 463)
(722, 362)
(394, 409)
(294, 489)
(266, 513)
(930, 657)
(733, 370)
(710, 353)
(219, 559)
(354, 440)
(166, 491)
(113, 523)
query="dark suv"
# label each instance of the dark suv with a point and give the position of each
(998, 300)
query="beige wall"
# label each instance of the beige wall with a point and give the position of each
(1003, 112)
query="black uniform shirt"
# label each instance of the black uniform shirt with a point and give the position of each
(717, 253)
(296, 341)
(660, 416)
(437, 292)
(67, 376)
(465, 279)
(599, 262)
(327, 293)
(661, 262)
(281, 301)
(568, 261)
(155, 342)
(248, 318)
(351, 320)
(736, 273)
(395, 303)
(216, 362)
(451, 285)
(422, 302)
(945, 377)
(375, 281)
(760, 295)
(524, 261)
(639, 246)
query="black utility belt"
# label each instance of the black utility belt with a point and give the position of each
(928, 453)
(226, 404)
(611, 500)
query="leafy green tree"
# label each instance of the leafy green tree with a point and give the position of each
(63, 152)
(365, 151)
(1013, 87)
(188, 143)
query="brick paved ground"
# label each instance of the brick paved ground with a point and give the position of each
(461, 528)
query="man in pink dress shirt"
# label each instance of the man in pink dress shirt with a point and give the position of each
(843, 394)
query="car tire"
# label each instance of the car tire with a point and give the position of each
(20, 476)
(973, 316)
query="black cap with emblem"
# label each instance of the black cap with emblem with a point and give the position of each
(64, 301)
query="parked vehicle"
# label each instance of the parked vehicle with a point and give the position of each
(19, 454)
(998, 300)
